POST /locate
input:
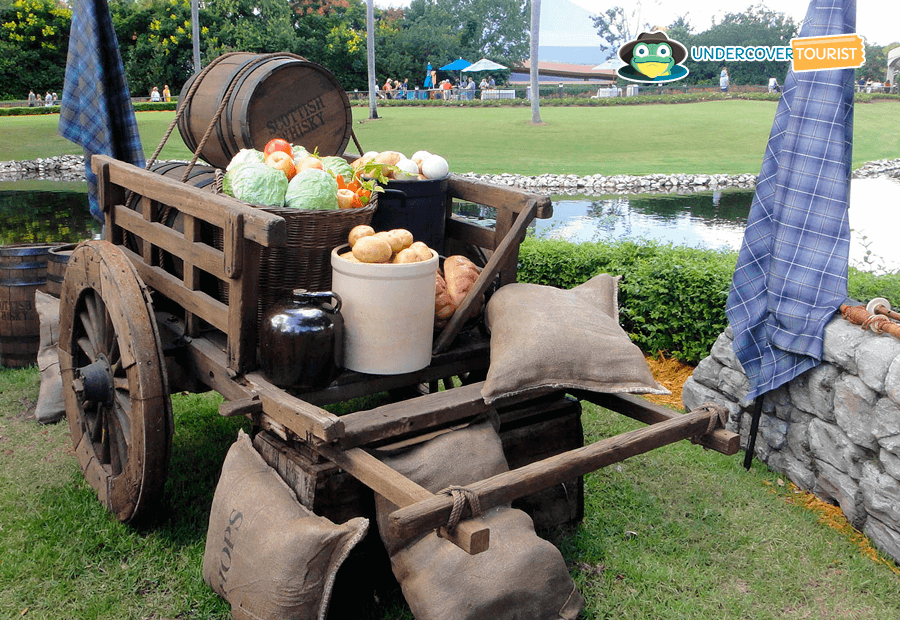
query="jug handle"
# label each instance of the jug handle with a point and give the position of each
(301, 293)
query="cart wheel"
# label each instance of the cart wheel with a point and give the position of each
(114, 380)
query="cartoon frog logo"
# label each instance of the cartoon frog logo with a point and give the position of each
(652, 57)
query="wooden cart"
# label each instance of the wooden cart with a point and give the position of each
(132, 330)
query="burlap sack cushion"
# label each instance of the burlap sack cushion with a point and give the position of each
(50, 404)
(520, 576)
(546, 338)
(266, 554)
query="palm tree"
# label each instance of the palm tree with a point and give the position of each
(535, 93)
(370, 57)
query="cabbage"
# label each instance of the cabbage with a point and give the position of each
(256, 183)
(245, 156)
(338, 166)
(312, 189)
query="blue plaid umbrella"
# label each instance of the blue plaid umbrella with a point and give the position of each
(791, 275)
(96, 111)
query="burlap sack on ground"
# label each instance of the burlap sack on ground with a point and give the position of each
(50, 406)
(266, 554)
(520, 577)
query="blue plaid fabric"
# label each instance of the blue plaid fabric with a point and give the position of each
(96, 111)
(791, 275)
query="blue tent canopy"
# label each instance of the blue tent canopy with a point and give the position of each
(457, 65)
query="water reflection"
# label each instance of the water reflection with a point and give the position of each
(45, 212)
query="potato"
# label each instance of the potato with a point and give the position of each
(388, 157)
(358, 232)
(372, 250)
(404, 235)
(407, 255)
(393, 240)
(421, 250)
(348, 256)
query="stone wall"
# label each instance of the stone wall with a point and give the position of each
(834, 431)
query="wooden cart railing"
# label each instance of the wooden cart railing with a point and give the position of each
(224, 358)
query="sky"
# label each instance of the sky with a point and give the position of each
(876, 20)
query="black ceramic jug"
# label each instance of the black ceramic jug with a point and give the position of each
(300, 340)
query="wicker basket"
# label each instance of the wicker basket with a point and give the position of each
(305, 260)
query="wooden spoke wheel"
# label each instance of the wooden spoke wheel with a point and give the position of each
(114, 380)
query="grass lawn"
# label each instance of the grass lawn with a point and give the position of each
(678, 533)
(709, 137)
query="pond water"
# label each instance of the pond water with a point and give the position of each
(57, 212)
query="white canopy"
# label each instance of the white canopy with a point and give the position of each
(484, 65)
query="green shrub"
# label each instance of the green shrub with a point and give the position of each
(671, 298)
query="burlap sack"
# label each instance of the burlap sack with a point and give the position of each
(50, 405)
(521, 575)
(266, 554)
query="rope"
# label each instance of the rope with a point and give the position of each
(461, 496)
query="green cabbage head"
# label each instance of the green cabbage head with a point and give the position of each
(312, 189)
(256, 183)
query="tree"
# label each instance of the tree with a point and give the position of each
(617, 26)
(34, 41)
(757, 26)
(533, 63)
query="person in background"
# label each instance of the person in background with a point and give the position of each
(387, 88)
(48, 99)
(484, 84)
(32, 99)
(773, 85)
(167, 96)
(445, 87)
(723, 80)
(154, 95)
(470, 87)
(491, 83)
(54, 98)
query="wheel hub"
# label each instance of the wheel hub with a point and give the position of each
(95, 381)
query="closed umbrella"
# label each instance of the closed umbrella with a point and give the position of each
(428, 83)
(791, 275)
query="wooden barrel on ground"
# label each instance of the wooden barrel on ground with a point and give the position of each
(23, 271)
(57, 261)
(272, 96)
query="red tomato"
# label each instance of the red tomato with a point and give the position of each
(277, 144)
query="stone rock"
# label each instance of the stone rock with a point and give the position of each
(813, 391)
(892, 381)
(734, 383)
(854, 410)
(840, 343)
(891, 464)
(773, 431)
(886, 426)
(880, 495)
(836, 486)
(693, 394)
(723, 352)
(707, 373)
(885, 537)
(829, 444)
(798, 437)
(874, 357)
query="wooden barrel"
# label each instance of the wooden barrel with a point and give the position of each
(278, 96)
(57, 261)
(23, 271)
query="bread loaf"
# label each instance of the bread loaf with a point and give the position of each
(460, 274)
(443, 306)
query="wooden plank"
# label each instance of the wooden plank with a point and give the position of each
(242, 303)
(260, 226)
(201, 255)
(472, 234)
(310, 423)
(499, 196)
(644, 411)
(401, 491)
(234, 240)
(210, 310)
(505, 487)
(411, 416)
(209, 364)
(500, 257)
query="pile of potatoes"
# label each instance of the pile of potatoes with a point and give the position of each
(391, 247)
(421, 166)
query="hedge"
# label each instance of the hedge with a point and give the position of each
(671, 298)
